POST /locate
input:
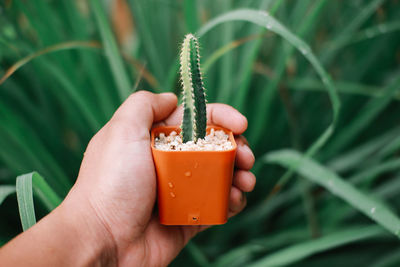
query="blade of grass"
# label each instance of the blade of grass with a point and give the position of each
(241, 255)
(99, 88)
(265, 20)
(147, 39)
(54, 48)
(343, 213)
(366, 34)
(368, 175)
(113, 55)
(320, 175)
(362, 120)
(390, 148)
(34, 151)
(5, 191)
(355, 157)
(25, 201)
(26, 184)
(269, 92)
(73, 94)
(44, 21)
(69, 87)
(226, 64)
(347, 33)
(250, 55)
(225, 49)
(343, 87)
(301, 251)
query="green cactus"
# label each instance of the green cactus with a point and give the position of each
(194, 121)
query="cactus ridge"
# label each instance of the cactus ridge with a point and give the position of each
(194, 120)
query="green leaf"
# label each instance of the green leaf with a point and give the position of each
(343, 87)
(317, 173)
(371, 32)
(5, 191)
(300, 251)
(26, 184)
(363, 119)
(113, 55)
(25, 201)
(244, 253)
(347, 33)
(360, 154)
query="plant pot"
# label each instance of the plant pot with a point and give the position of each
(193, 187)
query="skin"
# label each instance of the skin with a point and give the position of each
(107, 218)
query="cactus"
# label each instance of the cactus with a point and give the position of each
(194, 120)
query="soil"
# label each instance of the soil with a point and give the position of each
(214, 141)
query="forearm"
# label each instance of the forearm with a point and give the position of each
(63, 238)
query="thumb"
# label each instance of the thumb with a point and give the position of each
(143, 108)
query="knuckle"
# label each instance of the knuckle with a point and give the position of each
(127, 131)
(142, 94)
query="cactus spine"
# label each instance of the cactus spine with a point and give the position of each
(194, 120)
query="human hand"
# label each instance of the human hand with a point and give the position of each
(116, 189)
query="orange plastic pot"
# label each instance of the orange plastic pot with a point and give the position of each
(193, 187)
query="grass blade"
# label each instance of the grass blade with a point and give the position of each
(225, 49)
(365, 116)
(300, 251)
(348, 32)
(148, 39)
(369, 33)
(25, 201)
(113, 55)
(243, 254)
(358, 155)
(269, 92)
(26, 184)
(320, 175)
(343, 87)
(47, 50)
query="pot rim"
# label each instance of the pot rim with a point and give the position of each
(178, 129)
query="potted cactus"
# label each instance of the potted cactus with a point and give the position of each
(194, 176)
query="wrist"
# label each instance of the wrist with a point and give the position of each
(87, 235)
(68, 236)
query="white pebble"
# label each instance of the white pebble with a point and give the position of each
(214, 141)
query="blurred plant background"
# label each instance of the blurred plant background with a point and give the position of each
(319, 82)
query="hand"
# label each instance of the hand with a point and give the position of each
(110, 208)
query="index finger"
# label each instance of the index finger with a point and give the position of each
(217, 114)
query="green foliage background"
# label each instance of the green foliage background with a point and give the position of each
(319, 82)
